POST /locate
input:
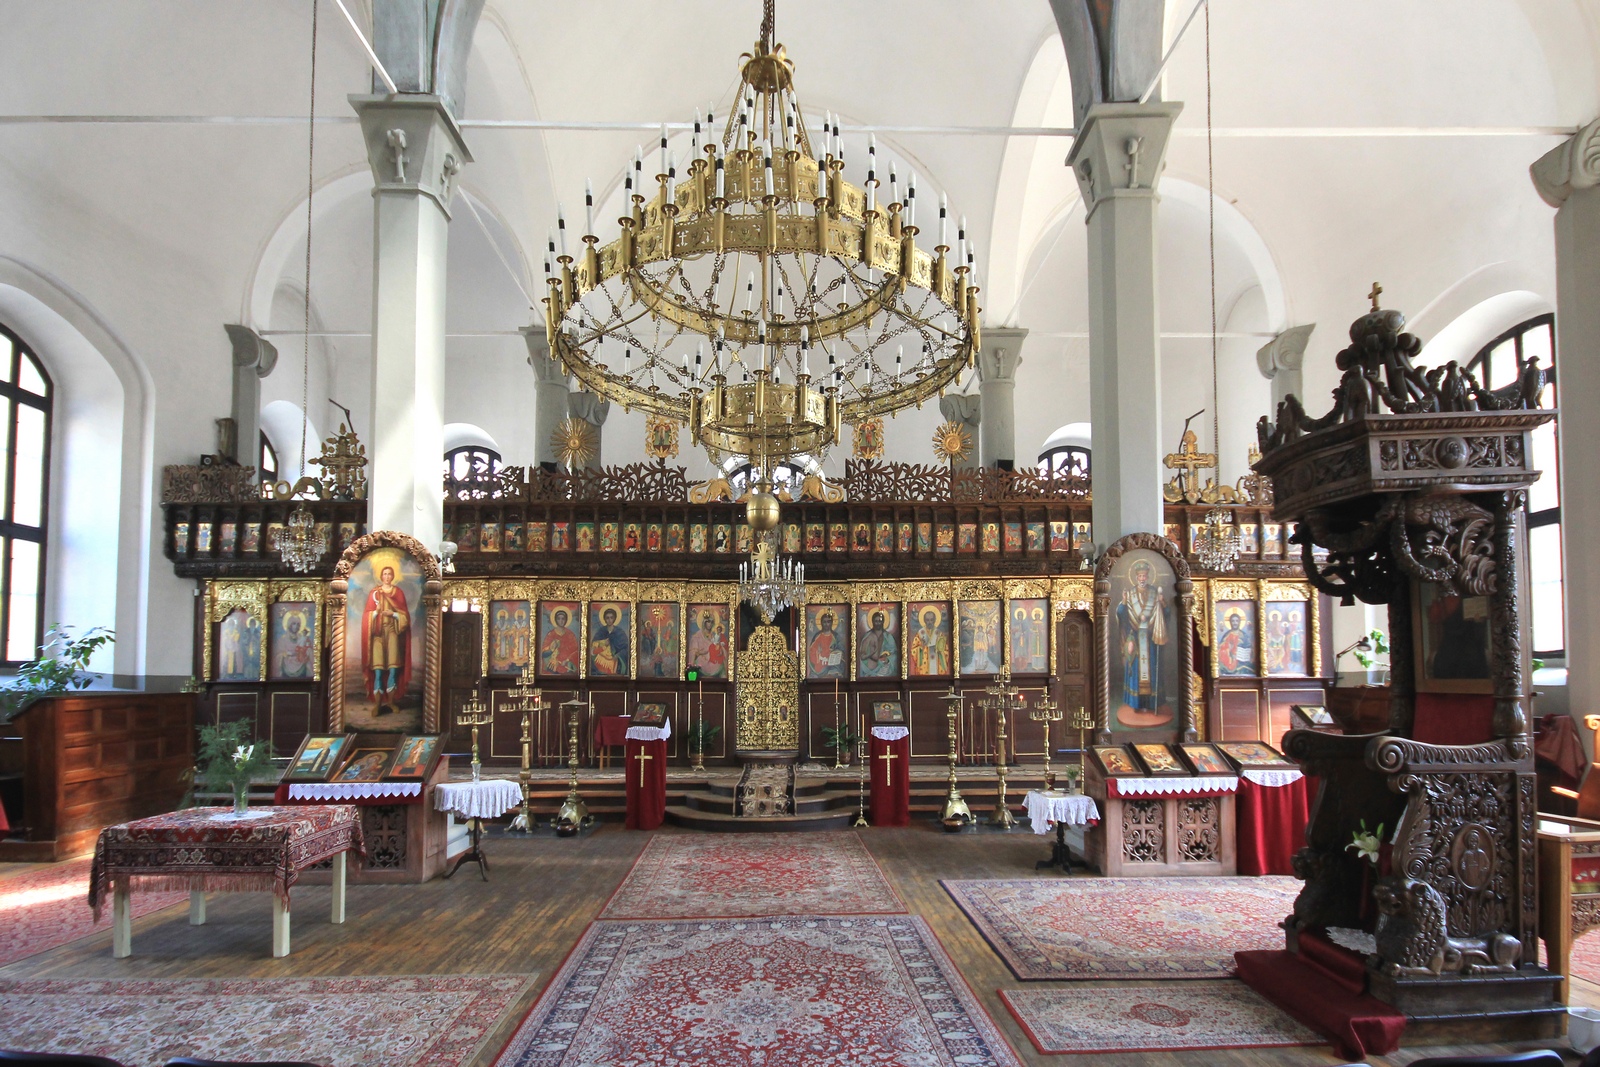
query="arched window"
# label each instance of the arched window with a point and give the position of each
(1497, 364)
(268, 465)
(26, 392)
(787, 474)
(471, 463)
(1065, 461)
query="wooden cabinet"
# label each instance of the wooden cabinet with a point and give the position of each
(90, 760)
(1569, 887)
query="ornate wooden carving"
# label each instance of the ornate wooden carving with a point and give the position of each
(209, 485)
(1200, 830)
(384, 827)
(1144, 831)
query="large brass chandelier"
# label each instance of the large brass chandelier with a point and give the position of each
(757, 294)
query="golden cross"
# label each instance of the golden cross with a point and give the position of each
(641, 757)
(888, 768)
(1373, 296)
(1188, 461)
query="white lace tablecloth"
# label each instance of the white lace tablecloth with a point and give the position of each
(1172, 787)
(1046, 809)
(478, 800)
(1271, 776)
(891, 733)
(352, 790)
(650, 733)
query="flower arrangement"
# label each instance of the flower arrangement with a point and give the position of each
(229, 760)
(1366, 843)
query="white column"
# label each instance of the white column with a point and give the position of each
(998, 361)
(253, 359)
(1280, 360)
(550, 394)
(1117, 158)
(415, 150)
(967, 410)
(593, 410)
(1568, 178)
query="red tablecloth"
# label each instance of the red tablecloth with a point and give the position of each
(611, 730)
(891, 781)
(1272, 825)
(645, 773)
(193, 850)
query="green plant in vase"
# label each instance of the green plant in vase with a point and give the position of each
(229, 760)
(842, 741)
(62, 666)
(702, 735)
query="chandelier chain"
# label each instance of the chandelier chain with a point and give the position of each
(311, 188)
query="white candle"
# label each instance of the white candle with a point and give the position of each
(721, 189)
(805, 350)
(699, 360)
(663, 148)
(672, 173)
(749, 291)
(766, 155)
(588, 207)
(911, 199)
(561, 226)
(550, 251)
(894, 185)
(944, 220)
(638, 168)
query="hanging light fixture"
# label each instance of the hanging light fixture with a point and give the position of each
(759, 253)
(301, 545)
(1217, 543)
(769, 583)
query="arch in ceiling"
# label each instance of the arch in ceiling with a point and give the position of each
(272, 260)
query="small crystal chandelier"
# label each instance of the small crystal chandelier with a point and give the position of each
(1217, 544)
(769, 583)
(301, 545)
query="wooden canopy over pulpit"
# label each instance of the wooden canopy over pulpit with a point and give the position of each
(1410, 493)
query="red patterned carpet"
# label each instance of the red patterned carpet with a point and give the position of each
(1126, 927)
(49, 906)
(1132, 1017)
(429, 1021)
(735, 875)
(791, 992)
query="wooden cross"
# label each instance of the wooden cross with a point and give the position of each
(1373, 296)
(641, 757)
(888, 768)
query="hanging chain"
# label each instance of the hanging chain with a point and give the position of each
(311, 188)
(1211, 242)
(768, 18)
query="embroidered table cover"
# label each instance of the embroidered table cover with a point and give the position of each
(486, 799)
(1071, 809)
(209, 849)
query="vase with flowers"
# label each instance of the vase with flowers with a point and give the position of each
(230, 760)
(1369, 846)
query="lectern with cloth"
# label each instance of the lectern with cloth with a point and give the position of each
(891, 775)
(645, 773)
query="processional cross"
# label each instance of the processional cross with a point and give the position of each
(1188, 461)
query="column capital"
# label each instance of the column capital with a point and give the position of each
(1120, 150)
(1001, 353)
(413, 145)
(1573, 164)
(964, 408)
(547, 370)
(252, 350)
(588, 407)
(1287, 351)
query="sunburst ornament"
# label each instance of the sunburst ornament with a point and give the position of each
(868, 440)
(574, 442)
(952, 442)
(660, 437)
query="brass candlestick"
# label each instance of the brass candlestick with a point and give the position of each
(838, 748)
(574, 812)
(475, 713)
(699, 738)
(956, 813)
(1082, 720)
(1001, 699)
(1046, 711)
(530, 703)
(861, 774)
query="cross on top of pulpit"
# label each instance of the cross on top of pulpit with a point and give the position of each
(1373, 296)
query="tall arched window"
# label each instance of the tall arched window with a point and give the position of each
(1497, 364)
(786, 474)
(269, 462)
(25, 495)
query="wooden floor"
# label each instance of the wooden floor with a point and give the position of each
(543, 893)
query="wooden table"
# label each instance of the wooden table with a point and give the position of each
(1569, 887)
(1059, 810)
(213, 850)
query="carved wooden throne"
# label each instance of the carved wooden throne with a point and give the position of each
(1413, 487)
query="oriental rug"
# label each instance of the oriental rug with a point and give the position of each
(782, 992)
(48, 906)
(1130, 1017)
(737, 875)
(387, 1021)
(1094, 928)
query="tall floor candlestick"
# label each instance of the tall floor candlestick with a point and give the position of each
(956, 813)
(574, 812)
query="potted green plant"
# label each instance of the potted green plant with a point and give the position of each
(702, 735)
(62, 666)
(842, 740)
(229, 760)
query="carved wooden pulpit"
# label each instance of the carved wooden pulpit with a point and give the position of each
(1410, 493)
